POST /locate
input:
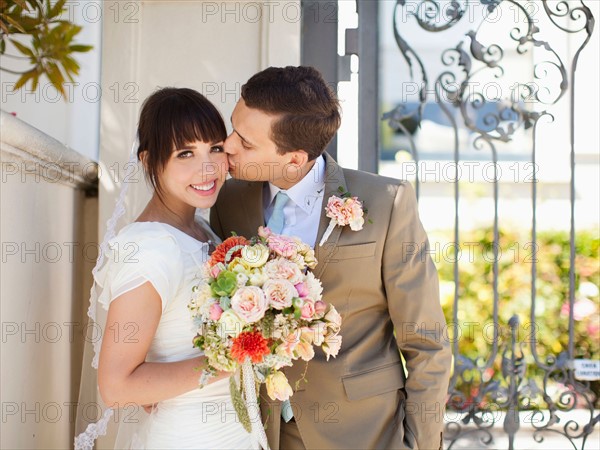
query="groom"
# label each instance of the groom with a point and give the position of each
(381, 278)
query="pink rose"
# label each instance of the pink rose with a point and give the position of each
(283, 246)
(335, 209)
(356, 221)
(281, 268)
(216, 270)
(308, 309)
(215, 311)
(320, 308)
(302, 289)
(348, 211)
(279, 293)
(264, 232)
(250, 303)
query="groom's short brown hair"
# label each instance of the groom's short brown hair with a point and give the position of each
(307, 108)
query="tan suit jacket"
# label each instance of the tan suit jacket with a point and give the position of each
(384, 284)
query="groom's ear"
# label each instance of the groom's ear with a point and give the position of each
(299, 158)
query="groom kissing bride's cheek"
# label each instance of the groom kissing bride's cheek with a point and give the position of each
(385, 291)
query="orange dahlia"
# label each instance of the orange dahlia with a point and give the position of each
(218, 256)
(249, 344)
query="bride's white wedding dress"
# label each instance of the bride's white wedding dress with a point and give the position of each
(171, 260)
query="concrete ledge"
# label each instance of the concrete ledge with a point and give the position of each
(27, 151)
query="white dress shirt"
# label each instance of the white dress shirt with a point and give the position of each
(302, 212)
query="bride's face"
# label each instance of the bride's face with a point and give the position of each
(194, 174)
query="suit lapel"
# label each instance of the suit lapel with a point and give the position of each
(334, 179)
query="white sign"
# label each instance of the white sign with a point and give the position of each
(587, 369)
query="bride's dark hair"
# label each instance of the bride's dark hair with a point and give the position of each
(170, 119)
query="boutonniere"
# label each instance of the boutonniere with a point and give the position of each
(344, 210)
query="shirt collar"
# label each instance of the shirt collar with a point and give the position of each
(305, 193)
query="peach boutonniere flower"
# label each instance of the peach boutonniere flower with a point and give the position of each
(343, 211)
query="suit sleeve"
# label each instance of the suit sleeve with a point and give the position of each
(412, 288)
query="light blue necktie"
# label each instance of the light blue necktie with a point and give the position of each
(277, 220)
(276, 223)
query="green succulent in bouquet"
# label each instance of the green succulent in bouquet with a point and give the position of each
(50, 45)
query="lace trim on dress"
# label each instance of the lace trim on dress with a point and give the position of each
(86, 440)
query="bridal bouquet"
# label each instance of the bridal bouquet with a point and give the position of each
(259, 307)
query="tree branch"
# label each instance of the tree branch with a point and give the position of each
(12, 71)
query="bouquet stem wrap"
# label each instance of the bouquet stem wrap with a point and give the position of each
(259, 438)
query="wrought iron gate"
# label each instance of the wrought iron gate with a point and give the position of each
(500, 43)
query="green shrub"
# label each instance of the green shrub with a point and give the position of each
(475, 326)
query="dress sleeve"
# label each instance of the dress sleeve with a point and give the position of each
(135, 258)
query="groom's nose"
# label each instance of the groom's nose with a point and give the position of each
(229, 144)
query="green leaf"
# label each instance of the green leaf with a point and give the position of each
(81, 48)
(22, 4)
(56, 78)
(24, 79)
(4, 29)
(70, 65)
(23, 49)
(36, 79)
(15, 24)
(57, 9)
(239, 405)
(71, 32)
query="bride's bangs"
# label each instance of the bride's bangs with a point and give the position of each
(197, 122)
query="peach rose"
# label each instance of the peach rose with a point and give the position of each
(305, 351)
(281, 268)
(278, 387)
(332, 345)
(279, 293)
(287, 347)
(317, 331)
(333, 318)
(249, 303)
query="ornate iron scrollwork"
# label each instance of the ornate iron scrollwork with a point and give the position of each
(492, 124)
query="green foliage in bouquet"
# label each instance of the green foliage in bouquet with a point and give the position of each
(475, 329)
(50, 46)
(225, 284)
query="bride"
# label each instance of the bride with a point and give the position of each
(146, 356)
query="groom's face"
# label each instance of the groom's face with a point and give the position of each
(252, 154)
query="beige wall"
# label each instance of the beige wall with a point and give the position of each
(48, 231)
(213, 47)
(50, 228)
